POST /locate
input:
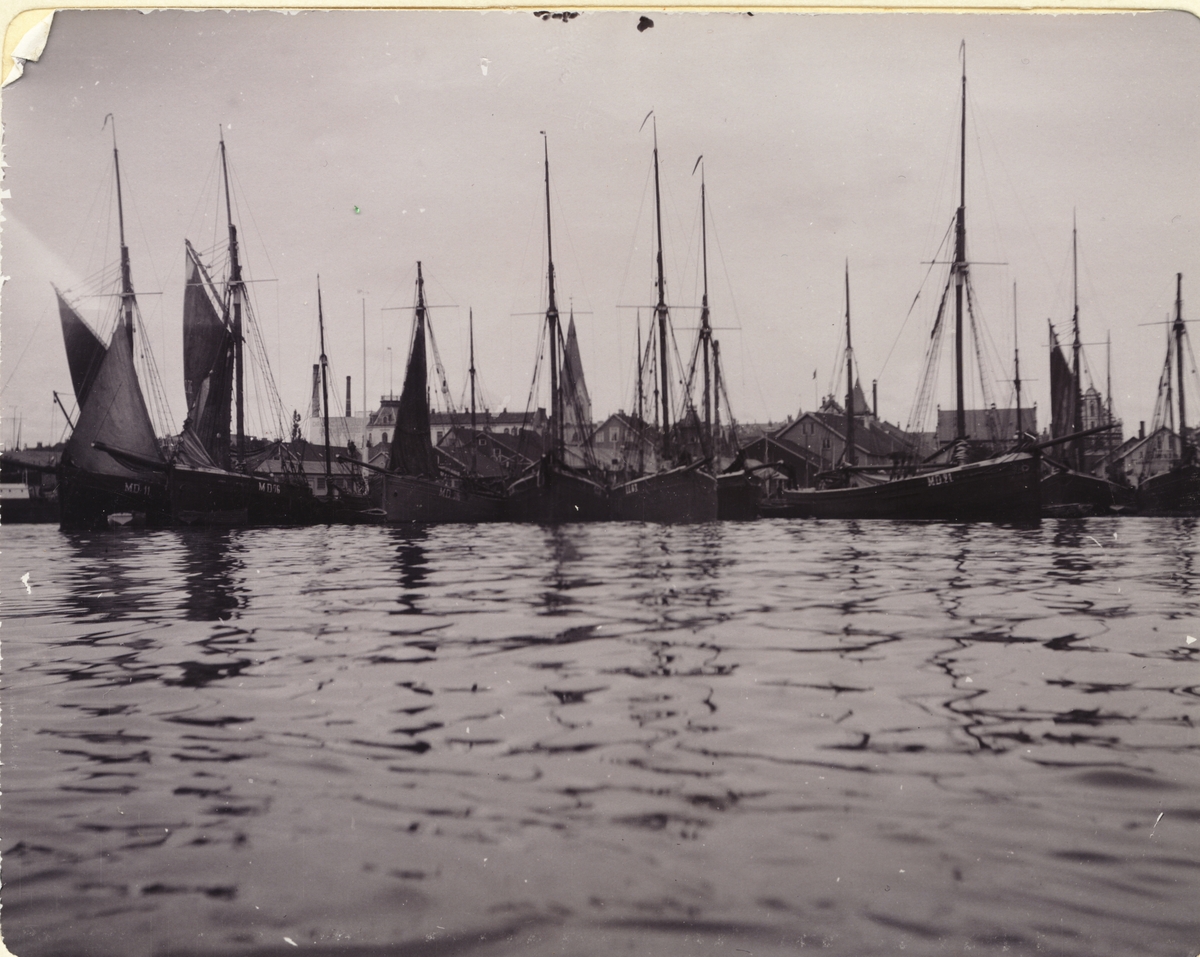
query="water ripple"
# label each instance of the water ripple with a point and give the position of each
(859, 736)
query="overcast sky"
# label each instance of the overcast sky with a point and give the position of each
(362, 142)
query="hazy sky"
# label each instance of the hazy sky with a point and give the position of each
(362, 142)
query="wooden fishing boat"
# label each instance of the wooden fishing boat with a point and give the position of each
(999, 489)
(1177, 490)
(98, 485)
(993, 488)
(347, 500)
(681, 490)
(1067, 488)
(223, 486)
(414, 487)
(550, 491)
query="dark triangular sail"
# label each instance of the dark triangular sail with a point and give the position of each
(207, 363)
(1063, 391)
(577, 404)
(412, 447)
(115, 415)
(85, 351)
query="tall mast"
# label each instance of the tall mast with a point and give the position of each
(325, 394)
(641, 390)
(1077, 418)
(552, 317)
(705, 331)
(1017, 371)
(851, 456)
(653, 346)
(641, 421)
(364, 381)
(717, 395)
(235, 294)
(1170, 404)
(471, 328)
(661, 308)
(127, 296)
(1108, 379)
(959, 268)
(1178, 330)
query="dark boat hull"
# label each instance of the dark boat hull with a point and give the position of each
(1067, 494)
(1176, 492)
(410, 498)
(219, 498)
(737, 497)
(554, 496)
(90, 501)
(209, 497)
(996, 490)
(682, 495)
(180, 497)
(281, 501)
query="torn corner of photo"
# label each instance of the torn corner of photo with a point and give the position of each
(25, 40)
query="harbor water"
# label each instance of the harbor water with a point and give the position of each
(861, 738)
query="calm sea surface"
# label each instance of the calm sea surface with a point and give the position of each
(615, 739)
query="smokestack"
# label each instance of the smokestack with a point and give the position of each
(316, 393)
(1141, 430)
(875, 398)
(347, 397)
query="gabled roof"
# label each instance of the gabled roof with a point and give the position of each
(1131, 445)
(647, 431)
(871, 436)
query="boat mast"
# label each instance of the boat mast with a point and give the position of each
(474, 443)
(716, 396)
(127, 296)
(235, 293)
(851, 457)
(641, 421)
(1178, 330)
(705, 330)
(364, 381)
(325, 394)
(1077, 417)
(1108, 379)
(552, 318)
(661, 308)
(959, 269)
(1017, 371)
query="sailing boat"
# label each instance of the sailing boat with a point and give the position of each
(1067, 489)
(686, 492)
(223, 488)
(414, 487)
(550, 491)
(737, 492)
(113, 471)
(343, 503)
(1176, 491)
(1001, 488)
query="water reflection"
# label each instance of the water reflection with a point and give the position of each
(564, 547)
(867, 735)
(108, 578)
(212, 561)
(412, 563)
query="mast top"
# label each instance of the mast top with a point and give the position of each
(117, 167)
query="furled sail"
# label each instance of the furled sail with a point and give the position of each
(85, 351)
(1063, 391)
(207, 363)
(114, 414)
(412, 448)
